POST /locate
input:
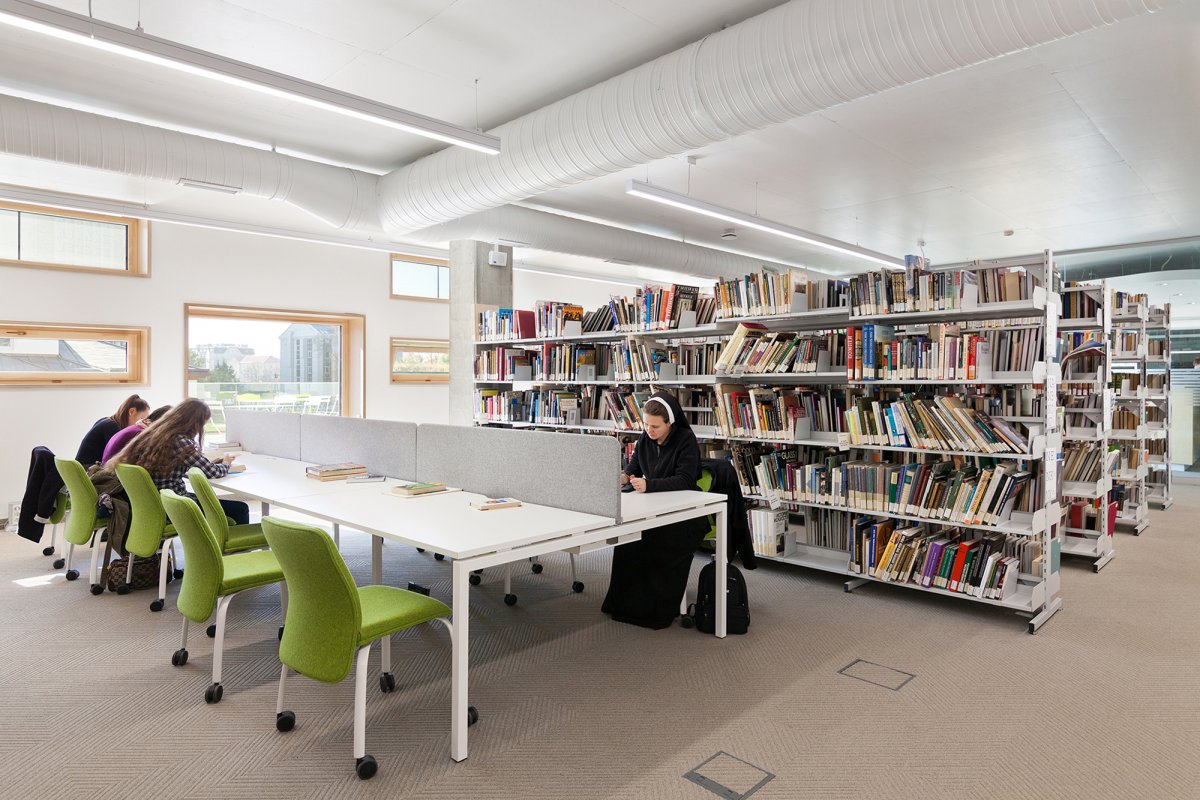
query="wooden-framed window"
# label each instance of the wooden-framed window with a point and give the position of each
(420, 360)
(272, 359)
(51, 238)
(52, 353)
(420, 278)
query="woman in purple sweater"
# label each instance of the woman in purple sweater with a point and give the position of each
(124, 436)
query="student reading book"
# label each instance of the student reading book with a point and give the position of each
(649, 576)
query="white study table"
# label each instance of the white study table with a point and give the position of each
(447, 524)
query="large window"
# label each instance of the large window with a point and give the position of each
(48, 353)
(269, 360)
(420, 360)
(31, 236)
(416, 278)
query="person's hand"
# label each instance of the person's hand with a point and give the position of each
(624, 479)
(227, 458)
(639, 484)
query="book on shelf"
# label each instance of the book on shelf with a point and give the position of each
(769, 294)
(941, 423)
(333, 472)
(769, 532)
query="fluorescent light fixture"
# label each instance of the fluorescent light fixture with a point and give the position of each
(79, 29)
(648, 192)
(212, 187)
(574, 276)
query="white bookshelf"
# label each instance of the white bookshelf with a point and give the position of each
(1036, 596)
(1159, 479)
(1090, 428)
(1131, 363)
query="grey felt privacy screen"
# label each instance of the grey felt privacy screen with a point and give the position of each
(265, 432)
(564, 470)
(383, 447)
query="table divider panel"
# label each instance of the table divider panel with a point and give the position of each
(562, 470)
(267, 432)
(384, 447)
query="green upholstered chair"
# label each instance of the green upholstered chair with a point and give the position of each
(212, 579)
(62, 504)
(331, 623)
(231, 538)
(149, 531)
(82, 525)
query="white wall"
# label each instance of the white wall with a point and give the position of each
(529, 287)
(198, 265)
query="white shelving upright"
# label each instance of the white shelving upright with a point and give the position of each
(1158, 483)
(1134, 513)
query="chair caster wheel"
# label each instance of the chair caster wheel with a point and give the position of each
(97, 589)
(420, 549)
(285, 721)
(72, 574)
(577, 587)
(211, 631)
(47, 551)
(536, 568)
(213, 693)
(510, 599)
(178, 574)
(157, 605)
(365, 768)
(687, 622)
(59, 563)
(472, 715)
(474, 579)
(387, 682)
(179, 658)
(281, 633)
(438, 557)
(123, 588)
(418, 588)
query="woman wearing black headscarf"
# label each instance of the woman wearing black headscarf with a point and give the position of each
(650, 576)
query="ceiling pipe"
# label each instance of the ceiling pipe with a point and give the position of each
(561, 234)
(798, 58)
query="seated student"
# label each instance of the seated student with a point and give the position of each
(125, 435)
(171, 446)
(650, 576)
(91, 449)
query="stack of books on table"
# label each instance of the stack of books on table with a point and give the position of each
(334, 472)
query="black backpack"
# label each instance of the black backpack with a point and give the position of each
(704, 610)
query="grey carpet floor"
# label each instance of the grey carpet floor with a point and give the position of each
(1104, 702)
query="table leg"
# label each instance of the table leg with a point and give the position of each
(459, 661)
(264, 508)
(376, 559)
(722, 563)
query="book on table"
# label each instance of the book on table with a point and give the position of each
(495, 502)
(420, 488)
(334, 472)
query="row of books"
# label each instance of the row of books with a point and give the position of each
(1122, 301)
(822, 527)
(1087, 463)
(768, 293)
(1008, 401)
(542, 406)
(655, 308)
(553, 318)
(939, 352)
(943, 422)
(1124, 419)
(769, 533)
(1006, 285)
(913, 289)
(778, 414)
(987, 567)
(1078, 305)
(696, 359)
(1156, 347)
(750, 349)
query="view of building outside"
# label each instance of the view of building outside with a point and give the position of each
(264, 365)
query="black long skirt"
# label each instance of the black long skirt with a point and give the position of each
(649, 576)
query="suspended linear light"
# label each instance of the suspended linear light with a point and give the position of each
(79, 29)
(669, 198)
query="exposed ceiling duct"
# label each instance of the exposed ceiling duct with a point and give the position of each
(561, 234)
(801, 57)
(343, 198)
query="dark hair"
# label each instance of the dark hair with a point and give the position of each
(658, 408)
(131, 402)
(157, 449)
(157, 413)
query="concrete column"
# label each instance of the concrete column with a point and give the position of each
(472, 281)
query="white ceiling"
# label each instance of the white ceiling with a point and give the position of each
(1085, 142)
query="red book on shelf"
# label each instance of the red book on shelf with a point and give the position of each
(1076, 519)
(1112, 518)
(960, 559)
(524, 326)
